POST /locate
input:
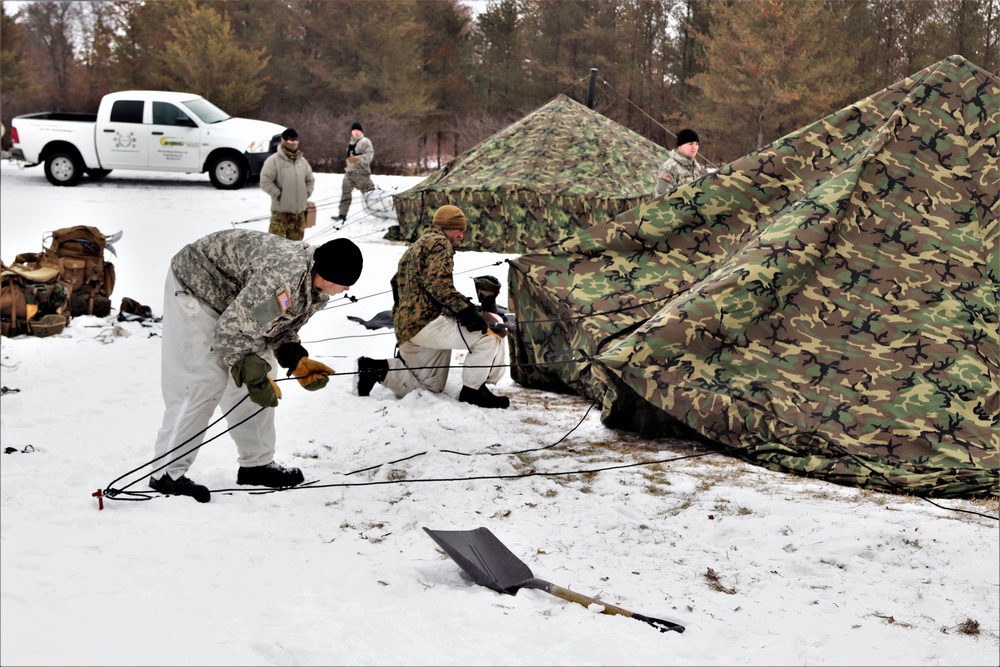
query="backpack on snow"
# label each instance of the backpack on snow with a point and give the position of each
(78, 253)
(31, 301)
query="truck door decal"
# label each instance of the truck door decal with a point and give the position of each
(176, 139)
(124, 140)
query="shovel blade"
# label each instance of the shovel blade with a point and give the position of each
(484, 558)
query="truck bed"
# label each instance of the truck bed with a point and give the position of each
(63, 115)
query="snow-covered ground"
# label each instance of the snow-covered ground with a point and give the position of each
(762, 568)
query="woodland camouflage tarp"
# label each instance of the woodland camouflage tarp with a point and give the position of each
(561, 168)
(828, 304)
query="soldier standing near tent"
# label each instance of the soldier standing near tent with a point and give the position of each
(431, 318)
(358, 173)
(680, 166)
(233, 304)
(287, 177)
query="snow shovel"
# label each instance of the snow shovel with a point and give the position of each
(491, 564)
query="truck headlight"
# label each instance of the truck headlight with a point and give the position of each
(259, 146)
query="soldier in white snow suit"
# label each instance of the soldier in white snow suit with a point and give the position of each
(233, 304)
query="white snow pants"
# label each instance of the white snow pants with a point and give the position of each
(432, 346)
(195, 381)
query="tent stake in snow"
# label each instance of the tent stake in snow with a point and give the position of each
(491, 564)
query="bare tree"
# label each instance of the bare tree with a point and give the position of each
(52, 29)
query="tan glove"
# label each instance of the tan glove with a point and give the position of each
(275, 388)
(352, 159)
(312, 374)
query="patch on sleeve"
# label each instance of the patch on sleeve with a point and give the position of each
(667, 176)
(272, 309)
(284, 301)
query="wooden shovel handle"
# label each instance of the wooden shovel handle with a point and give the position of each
(573, 596)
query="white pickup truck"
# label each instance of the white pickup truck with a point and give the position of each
(146, 130)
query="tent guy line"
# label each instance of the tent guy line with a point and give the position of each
(339, 303)
(313, 484)
(325, 203)
(644, 113)
(113, 494)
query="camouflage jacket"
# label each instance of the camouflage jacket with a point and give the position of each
(289, 182)
(260, 284)
(679, 169)
(423, 286)
(364, 151)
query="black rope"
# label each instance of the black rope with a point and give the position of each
(353, 299)
(525, 451)
(113, 494)
(110, 492)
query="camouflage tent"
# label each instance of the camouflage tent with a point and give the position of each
(827, 305)
(561, 168)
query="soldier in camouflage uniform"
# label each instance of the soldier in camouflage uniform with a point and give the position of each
(432, 318)
(233, 304)
(681, 165)
(287, 177)
(358, 172)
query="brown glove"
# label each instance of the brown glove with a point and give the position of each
(352, 159)
(311, 374)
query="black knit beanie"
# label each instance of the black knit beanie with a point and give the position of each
(338, 261)
(686, 136)
(356, 126)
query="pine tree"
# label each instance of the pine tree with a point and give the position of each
(499, 50)
(203, 57)
(15, 78)
(770, 67)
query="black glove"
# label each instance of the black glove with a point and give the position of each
(470, 318)
(289, 355)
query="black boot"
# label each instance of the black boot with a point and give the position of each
(180, 487)
(370, 371)
(271, 475)
(483, 397)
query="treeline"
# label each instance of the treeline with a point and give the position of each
(429, 78)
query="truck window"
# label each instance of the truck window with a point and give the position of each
(208, 112)
(126, 111)
(165, 113)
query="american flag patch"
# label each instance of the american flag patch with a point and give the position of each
(284, 301)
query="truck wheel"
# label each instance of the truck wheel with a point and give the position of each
(98, 173)
(228, 172)
(63, 168)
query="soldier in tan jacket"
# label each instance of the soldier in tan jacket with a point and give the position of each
(287, 177)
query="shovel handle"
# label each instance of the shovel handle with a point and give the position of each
(572, 596)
